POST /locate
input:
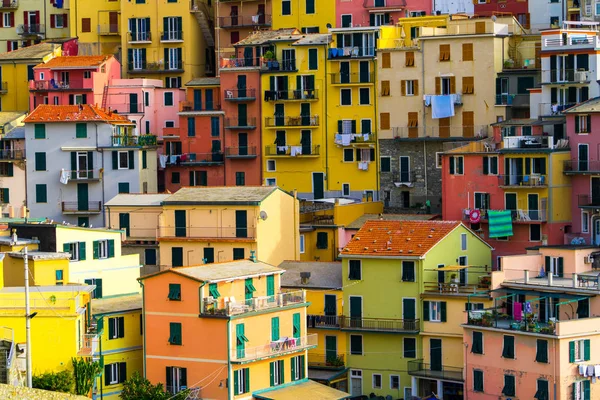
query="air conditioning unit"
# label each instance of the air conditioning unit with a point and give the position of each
(581, 76)
(588, 259)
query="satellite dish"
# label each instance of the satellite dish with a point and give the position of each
(263, 215)
(494, 18)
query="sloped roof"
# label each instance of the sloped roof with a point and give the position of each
(204, 82)
(592, 105)
(133, 199)
(75, 62)
(35, 52)
(78, 113)
(398, 238)
(322, 274)
(117, 304)
(360, 221)
(262, 37)
(251, 195)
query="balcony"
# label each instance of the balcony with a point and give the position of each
(553, 109)
(528, 142)
(228, 306)
(245, 21)
(458, 289)
(189, 107)
(240, 95)
(109, 30)
(170, 133)
(200, 159)
(324, 217)
(240, 152)
(133, 141)
(76, 207)
(292, 151)
(350, 139)
(522, 181)
(329, 361)
(584, 167)
(51, 85)
(291, 95)
(11, 155)
(576, 41)
(199, 232)
(587, 201)
(561, 76)
(384, 4)
(431, 371)
(380, 324)
(82, 175)
(128, 108)
(31, 29)
(279, 66)
(518, 216)
(139, 37)
(440, 132)
(351, 52)
(170, 66)
(301, 121)
(233, 62)
(171, 37)
(89, 345)
(242, 123)
(324, 321)
(276, 348)
(352, 78)
(9, 4)
(514, 100)
(586, 281)
(3, 87)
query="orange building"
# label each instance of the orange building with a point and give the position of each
(226, 331)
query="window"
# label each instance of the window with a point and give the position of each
(116, 328)
(123, 157)
(302, 244)
(39, 131)
(310, 6)
(348, 155)
(444, 52)
(468, 83)
(585, 221)
(376, 381)
(581, 390)
(463, 241)
(404, 168)
(59, 277)
(271, 165)
(286, 7)
(394, 382)
(175, 333)
(356, 345)
(477, 380)
(535, 233)
(8, 19)
(297, 364)
(238, 253)
(241, 381)
(322, 240)
(384, 120)
(175, 177)
(467, 51)
(345, 189)
(41, 193)
(150, 256)
(104, 249)
(579, 350)
(456, 165)
(508, 348)
(123, 187)
(385, 88)
(408, 271)
(386, 164)
(434, 311)
(115, 373)
(168, 99)
(386, 60)
(176, 379)
(277, 373)
(97, 293)
(249, 290)
(270, 182)
(174, 292)
(240, 178)
(40, 161)
(541, 354)
(409, 59)
(490, 165)
(583, 123)
(509, 385)
(346, 97)
(409, 346)
(354, 270)
(408, 88)
(477, 346)
(542, 390)
(364, 96)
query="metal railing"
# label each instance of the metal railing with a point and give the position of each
(439, 371)
(75, 206)
(127, 108)
(240, 151)
(326, 360)
(348, 139)
(583, 166)
(585, 200)
(292, 151)
(240, 21)
(566, 76)
(304, 94)
(234, 62)
(89, 345)
(274, 348)
(12, 154)
(230, 232)
(279, 65)
(528, 142)
(83, 175)
(139, 37)
(590, 280)
(408, 132)
(379, 324)
(553, 108)
(384, 3)
(323, 321)
(301, 120)
(353, 77)
(132, 141)
(171, 36)
(109, 29)
(519, 215)
(53, 85)
(190, 106)
(530, 180)
(154, 66)
(240, 94)
(571, 40)
(458, 288)
(351, 52)
(212, 158)
(31, 29)
(240, 123)
(229, 306)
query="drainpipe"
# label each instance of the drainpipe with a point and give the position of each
(554, 362)
(425, 164)
(423, 80)
(144, 325)
(229, 371)
(374, 124)
(104, 171)
(326, 118)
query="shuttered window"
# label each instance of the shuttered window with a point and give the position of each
(175, 333)
(477, 380)
(468, 85)
(468, 128)
(413, 124)
(477, 345)
(384, 121)
(386, 60)
(467, 52)
(508, 348)
(385, 88)
(444, 52)
(409, 59)
(541, 354)
(509, 385)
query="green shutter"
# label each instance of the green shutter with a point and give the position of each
(274, 329)
(213, 290)
(111, 328)
(302, 366)
(560, 267)
(10, 169)
(98, 290)
(293, 368)
(115, 160)
(131, 159)
(175, 333)
(174, 291)
(40, 131)
(41, 195)
(508, 349)
(541, 354)
(425, 311)
(236, 389)
(281, 372)
(40, 161)
(100, 324)
(313, 63)
(586, 350)
(111, 248)
(586, 390)
(81, 131)
(96, 246)
(297, 332)
(6, 194)
(66, 247)
(272, 374)
(144, 159)
(443, 311)
(271, 285)
(477, 347)
(247, 379)
(82, 251)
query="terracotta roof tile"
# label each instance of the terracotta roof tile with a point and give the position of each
(87, 112)
(398, 238)
(74, 62)
(36, 52)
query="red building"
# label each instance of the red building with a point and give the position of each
(518, 8)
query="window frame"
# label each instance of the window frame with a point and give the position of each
(345, 90)
(302, 244)
(359, 270)
(435, 312)
(414, 350)
(103, 249)
(392, 386)
(409, 87)
(360, 100)
(271, 165)
(172, 101)
(362, 346)
(585, 216)
(119, 156)
(530, 233)
(374, 377)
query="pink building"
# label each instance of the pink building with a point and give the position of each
(583, 128)
(69, 80)
(541, 333)
(377, 12)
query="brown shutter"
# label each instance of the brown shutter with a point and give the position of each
(480, 27)
(438, 85)
(385, 88)
(86, 25)
(452, 84)
(416, 87)
(384, 120)
(468, 128)
(467, 49)
(468, 85)
(444, 127)
(386, 61)
(413, 124)
(409, 59)
(403, 88)
(527, 21)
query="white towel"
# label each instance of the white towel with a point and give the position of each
(255, 19)
(366, 137)
(597, 371)
(64, 176)
(442, 106)
(582, 370)
(346, 139)
(296, 151)
(162, 160)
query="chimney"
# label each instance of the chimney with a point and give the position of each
(304, 277)
(253, 256)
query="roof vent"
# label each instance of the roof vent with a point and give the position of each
(304, 277)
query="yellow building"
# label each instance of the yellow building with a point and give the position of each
(205, 225)
(153, 35)
(309, 16)
(16, 70)
(120, 329)
(97, 26)
(322, 282)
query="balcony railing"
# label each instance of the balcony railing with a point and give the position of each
(463, 289)
(584, 200)
(587, 281)
(139, 37)
(519, 215)
(240, 123)
(348, 139)
(274, 348)
(212, 158)
(581, 167)
(283, 95)
(207, 106)
(229, 306)
(240, 94)
(384, 3)
(240, 152)
(53, 85)
(434, 371)
(228, 232)
(9, 4)
(89, 345)
(582, 40)
(351, 52)
(566, 76)
(84, 175)
(12, 154)
(331, 361)
(414, 132)
(547, 109)
(324, 321)
(241, 21)
(351, 78)
(31, 29)
(171, 36)
(528, 142)
(133, 141)
(109, 30)
(292, 151)
(233, 62)
(128, 108)
(301, 121)
(379, 324)
(532, 180)
(160, 67)
(75, 207)
(516, 100)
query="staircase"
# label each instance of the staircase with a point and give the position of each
(104, 97)
(7, 363)
(202, 13)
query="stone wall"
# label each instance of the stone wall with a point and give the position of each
(8, 392)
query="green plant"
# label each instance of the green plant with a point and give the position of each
(337, 361)
(85, 372)
(269, 55)
(55, 381)
(139, 388)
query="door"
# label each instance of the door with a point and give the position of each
(318, 185)
(305, 114)
(330, 349)
(289, 61)
(364, 72)
(356, 383)
(209, 99)
(248, 57)
(462, 260)
(305, 141)
(82, 197)
(595, 191)
(510, 203)
(330, 309)
(241, 86)
(82, 165)
(583, 157)
(532, 204)
(355, 311)
(279, 115)
(241, 224)
(242, 115)
(197, 100)
(261, 14)
(408, 309)
(209, 255)
(133, 103)
(345, 72)
(113, 22)
(180, 223)
(243, 144)
(597, 232)
(280, 142)
(435, 354)
(123, 222)
(234, 15)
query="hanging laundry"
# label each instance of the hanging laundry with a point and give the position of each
(346, 139)
(597, 371)
(500, 223)
(64, 176)
(173, 159)
(427, 100)
(58, 3)
(255, 19)
(590, 370)
(296, 151)
(582, 370)
(518, 311)
(184, 157)
(528, 309)
(442, 106)
(162, 160)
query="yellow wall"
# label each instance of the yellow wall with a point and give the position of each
(43, 272)
(299, 19)
(316, 300)
(143, 221)
(348, 213)
(312, 253)
(98, 13)
(281, 233)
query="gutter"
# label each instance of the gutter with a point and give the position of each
(382, 256)
(144, 327)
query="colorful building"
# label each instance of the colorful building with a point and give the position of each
(69, 80)
(206, 225)
(310, 16)
(254, 347)
(97, 26)
(405, 260)
(537, 338)
(16, 69)
(322, 282)
(377, 12)
(12, 164)
(82, 156)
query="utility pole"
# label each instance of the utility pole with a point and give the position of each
(27, 319)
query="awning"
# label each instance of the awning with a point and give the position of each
(303, 390)
(541, 293)
(451, 268)
(327, 375)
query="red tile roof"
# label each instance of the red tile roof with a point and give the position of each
(398, 238)
(74, 62)
(84, 112)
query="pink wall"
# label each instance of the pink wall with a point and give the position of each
(360, 13)
(515, 7)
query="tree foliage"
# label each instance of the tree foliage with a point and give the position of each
(55, 381)
(85, 372)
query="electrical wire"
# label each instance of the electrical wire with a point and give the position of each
(216, 373)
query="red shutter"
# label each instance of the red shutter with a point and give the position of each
(52, 21)
(37, 18)
(25, 19)
(8, 45)
(12, 19)
(65, 21)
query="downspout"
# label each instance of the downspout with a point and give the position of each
(423, 80)
(229, 372)
(374, 125)
(218, 37)
(425, 164)
(296, 226)
(107, 212)
(554, 362)
(103, 172)
(144, 326)
(327, 119)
